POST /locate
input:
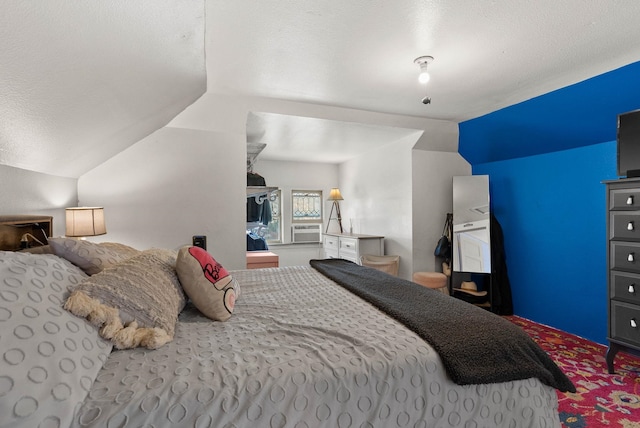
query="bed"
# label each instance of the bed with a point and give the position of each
(299, 350)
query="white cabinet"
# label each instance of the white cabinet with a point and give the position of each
(351, 246)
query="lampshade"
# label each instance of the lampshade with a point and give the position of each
(85, 221)
(335, 195)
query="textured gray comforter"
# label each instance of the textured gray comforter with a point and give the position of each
(475, 345)
(300, 351)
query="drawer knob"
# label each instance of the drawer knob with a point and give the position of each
(630, 200)
(630, 257)
(632, 288)
(630, 225)
(633, 323)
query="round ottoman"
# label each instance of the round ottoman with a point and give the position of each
(435, 280)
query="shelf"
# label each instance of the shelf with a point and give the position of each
(14, 227)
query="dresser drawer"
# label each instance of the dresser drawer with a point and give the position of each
(330, 243)
(350, 257)
(625, 287)
(624, 225)
(348, 247)
(625, 256)
(352, 246)
(625, 322)
(624, 199)
(331, 254)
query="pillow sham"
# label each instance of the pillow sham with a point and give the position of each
(134, 303)
(209, 285)
(43, 249)
(91, 257)
(48, 358)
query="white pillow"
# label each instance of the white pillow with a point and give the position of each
(209, 285)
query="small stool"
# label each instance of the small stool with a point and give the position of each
(435, 280)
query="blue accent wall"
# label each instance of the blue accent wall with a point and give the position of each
(552, 211)
(575, 116)
(546, 159)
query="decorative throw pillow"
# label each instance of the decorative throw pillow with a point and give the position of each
(134, 303)
(89, 256)
(209, 285)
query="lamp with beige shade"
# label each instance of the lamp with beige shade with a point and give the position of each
(85, 221)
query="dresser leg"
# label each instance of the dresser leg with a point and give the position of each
(611, 355)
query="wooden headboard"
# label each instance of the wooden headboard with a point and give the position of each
(32, 227)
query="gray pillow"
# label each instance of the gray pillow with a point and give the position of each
(91, 257)
(48, 358)
(134, 303)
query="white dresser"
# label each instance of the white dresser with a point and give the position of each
(351, 246)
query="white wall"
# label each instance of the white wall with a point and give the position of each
(34, 193)
(377, 192)
(172, 185)
(397, 192)
(189, 178)
(432, 177)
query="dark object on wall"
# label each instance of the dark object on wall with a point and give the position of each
(257, 213)
(628, 142)
(443, 247)
(200, 241)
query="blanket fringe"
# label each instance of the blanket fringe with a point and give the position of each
(107, 319)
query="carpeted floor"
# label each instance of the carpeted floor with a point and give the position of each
(601, 400)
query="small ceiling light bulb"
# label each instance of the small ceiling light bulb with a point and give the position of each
(424, 77)
(423, 62)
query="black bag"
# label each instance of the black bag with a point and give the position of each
(443, 247)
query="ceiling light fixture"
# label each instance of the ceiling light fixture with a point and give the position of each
(423, 62)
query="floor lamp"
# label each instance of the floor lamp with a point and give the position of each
(335, 196)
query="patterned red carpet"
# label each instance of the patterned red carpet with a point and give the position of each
(601, 400)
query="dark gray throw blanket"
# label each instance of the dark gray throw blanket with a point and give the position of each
(475, 345)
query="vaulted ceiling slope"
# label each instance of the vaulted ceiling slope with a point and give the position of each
(83, 80)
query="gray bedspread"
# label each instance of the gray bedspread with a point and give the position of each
(300, 351)
(475, 345)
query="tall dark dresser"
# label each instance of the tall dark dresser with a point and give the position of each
(623, 264)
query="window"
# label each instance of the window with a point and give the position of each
(307, 206)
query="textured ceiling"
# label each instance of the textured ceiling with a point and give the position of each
(359, 53)
(488, 55)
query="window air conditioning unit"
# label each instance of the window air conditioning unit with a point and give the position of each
(306, 233)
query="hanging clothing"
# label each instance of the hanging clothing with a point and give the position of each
(257, 213)
(500, 284)
(256, 243)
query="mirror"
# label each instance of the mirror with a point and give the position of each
(471, 230)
